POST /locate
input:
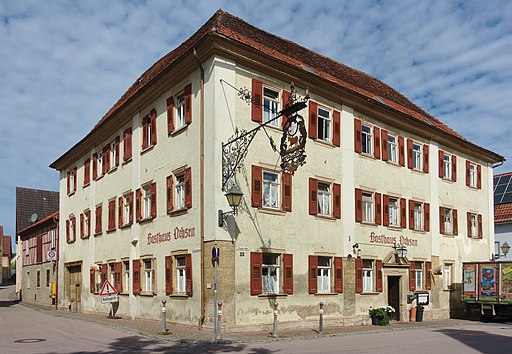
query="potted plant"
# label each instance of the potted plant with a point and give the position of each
(380, 315)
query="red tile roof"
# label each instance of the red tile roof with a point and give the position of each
(503, 174)
(502, 212)
(40, 222)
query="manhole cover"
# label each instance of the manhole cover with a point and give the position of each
(30, 340)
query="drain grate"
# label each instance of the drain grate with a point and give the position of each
(30, 340)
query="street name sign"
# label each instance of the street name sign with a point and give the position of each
(109, 299)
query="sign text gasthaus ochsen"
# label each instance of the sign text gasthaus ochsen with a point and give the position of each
(178, 233)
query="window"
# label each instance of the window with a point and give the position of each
(368, 275)
(368, 208)
(447, 166)
(149, 130)
(367, 139)
(38, 279)
(71, 181)
(447, 169)
(87, 172)
(393, 212)
(392, 149)
(149, 275)
(28, 280)
(145, 199)
(473, 175)
(114, 153)
(324, 274)
(448, 221)
(180, 111)
(418, 216)
(178, 268)
(419, 275)
(474, 225)
(126, 276)
(146, 191)
(179, 190)
(324, 198)
(447, 276)
(71, 229)
(98, 221)
(271, 190)
(324, 124)
(126, 209)
(85, 224)
(111, 274)
(48, 278)
(417, 157)
(270, 105)
(181, 275)
(270, 273)
(97, 165)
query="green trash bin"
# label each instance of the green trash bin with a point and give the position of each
(419, 313)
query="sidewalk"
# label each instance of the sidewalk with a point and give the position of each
(191, 334)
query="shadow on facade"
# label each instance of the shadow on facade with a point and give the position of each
(456, 304)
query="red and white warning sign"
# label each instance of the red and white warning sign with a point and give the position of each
(107, 289)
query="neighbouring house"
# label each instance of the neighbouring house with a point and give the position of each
(142, 195)
(6, 253)
(502, 215)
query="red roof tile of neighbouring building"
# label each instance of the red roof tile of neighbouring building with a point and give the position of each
(503, 212)
(30, 201)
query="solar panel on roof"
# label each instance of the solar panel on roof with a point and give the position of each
(500, 189)
(504, 179)
(507, 198)
(497, 198)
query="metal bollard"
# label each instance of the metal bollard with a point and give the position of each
(218, 334)
(164, 317)
(274, 333)
(321, 320)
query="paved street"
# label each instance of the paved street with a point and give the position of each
(26, 329)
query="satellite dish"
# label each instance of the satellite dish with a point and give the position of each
(33, 218)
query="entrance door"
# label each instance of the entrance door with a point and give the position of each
(394, 296)
(74, 287)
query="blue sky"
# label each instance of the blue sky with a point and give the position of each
(63, 64)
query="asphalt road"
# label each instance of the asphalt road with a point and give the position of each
(27, 330)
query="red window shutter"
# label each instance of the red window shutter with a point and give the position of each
(384, 139)
(112, 214)
(120, 212)
(338, 274)
(94, 166)
(359, 205)
(127, 141)
(428, 277)
(118, 141)
(92, 281)
(168, 275)
(87, 172)
(403, 213)
(479, 177)
(468, 223)
(153, 199)
(467, 172)
(88, 223)
(138, 197)
(188, 187)
(359, 275)
(136, 276)
(287, 191)
(74, 179)
(376, 142)
(313, 112)
(188, 273)
(131, 207)
(412, 276)
(106, 159)
(257, 177)
(188, 103)
(454, 168)
(313, 275)
(82, 230)
(313, 194)
(257, 101)
(411, 214)
(455, 222)
(426, 215)
(401, 152)
(385, 206)
(480, 226)
(169, 185)
(288, 273)
(425, 158)
(378, 281)
(410, 162)
(441, 163)
(97, 228)
(336, 211)
(68, 233)
(285, 103)
(73, 225)
(256, 261)
(145, 130)
(118, 267)
(152, 122)
(358, 131)
(337, 129)
(170, 115)
(69, 182)
(441, 220)
(378, 208)
(104, 271)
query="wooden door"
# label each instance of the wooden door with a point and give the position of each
(394, 296)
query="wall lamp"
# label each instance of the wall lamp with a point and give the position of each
(505, 248)
(400, 251)
(234, 197)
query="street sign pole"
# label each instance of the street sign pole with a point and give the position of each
(215, 258)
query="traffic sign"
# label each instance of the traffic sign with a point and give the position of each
(215, 253)
(51, 255)
(108, 299)
(107, 289)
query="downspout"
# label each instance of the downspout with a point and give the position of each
(201, 184)
(56, 221)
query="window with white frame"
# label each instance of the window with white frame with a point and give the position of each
(270, 273)
(146, 201)
(324, 199)
(179, 192)
(111, 273)
(324, 274)
(126, 277)
(448, 221)
(447, 276)
(472, 175)
(447, 166)
(149, 275)
(127, 208)
(394, 218)
(473, 221)
(368, 275)
(99, 164)
(180, 111)
(368, 207)
(417, 157)
(324, 124)
(113, 154)
(392, 149)
(367, 146)
(87, 223)
(98, 281)
(271, 190)
(72, 228)
(181, 275)
(72, 177)
(419, 275)
(270, 105)
(418, 216)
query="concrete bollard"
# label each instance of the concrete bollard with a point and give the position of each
(321, 319)
(164, 317)
(274, 332)
(218, 334)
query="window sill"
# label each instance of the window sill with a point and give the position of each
(394, 227)
(146, 220)
(124, 294)
(421, 231)
(113, 169)
(370, 293)
(368, 223)
(271, 211)
(143, 151)
(474, 188)
(177, 212)
(127, 160)
(86, 184)
(111, 230)
(367, 156)
(327, 294)
(125, 226)
(392, 163)
(325, 217)
(71, 193)
(179, 130)
(85, 237)
(97, 234)
(266, 296)
(447, 180)
(69, 242)
(147, 293)
(179, 296)
(325, 143)
(98, 178)
(449, 235)
(421, 172)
